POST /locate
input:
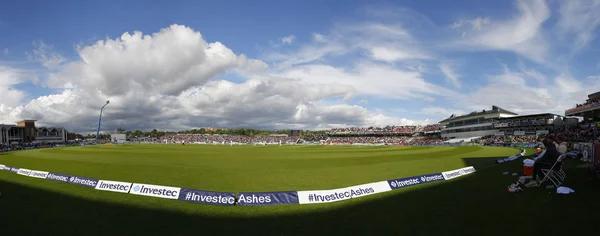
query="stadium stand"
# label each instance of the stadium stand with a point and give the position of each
(473, 125)
(25, 131)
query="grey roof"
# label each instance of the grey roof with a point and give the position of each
(495, 109)
(594, 95)
(540, 114)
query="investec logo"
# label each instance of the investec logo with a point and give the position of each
(155, 191)
(453, 174)
(58, 177)
(113, 186)
(399, 183)
(432, 178)
(83, 181)
(25, 172)
(38, 174)
(468, 170)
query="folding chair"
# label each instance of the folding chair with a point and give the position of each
(555, 173)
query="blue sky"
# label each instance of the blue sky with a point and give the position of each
(291, 64)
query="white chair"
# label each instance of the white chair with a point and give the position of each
(556, 176)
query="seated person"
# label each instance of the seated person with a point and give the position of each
(544, 161)
(563, 146)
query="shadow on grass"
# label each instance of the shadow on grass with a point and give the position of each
(478, 204)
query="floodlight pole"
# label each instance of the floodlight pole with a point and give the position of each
(100, 119)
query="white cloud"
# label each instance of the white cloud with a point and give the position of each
(319, 37)
(428, 99)
(578, 20)
(594, 77)
(306, 54)
(44, 54)
(382, 120)
(450, 74)
(522, 34)
(531, 72)
(370, 79)
(166, 62)
(476, 24)
(381, 42)
(510, 90)
(395, 53)
(440, 112)
(288, 39)
(166, 81)
(9, 77)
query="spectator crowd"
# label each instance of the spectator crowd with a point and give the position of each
(584, 132)
(389, 140)
(507, 139)
(371, 130)
(388, 135)
(589, 102)
(223, 138)
(27, 146)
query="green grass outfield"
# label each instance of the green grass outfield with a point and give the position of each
(477, 204)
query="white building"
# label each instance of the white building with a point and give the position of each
(51, 135)
(26, 132)
(118, 138)
(11, 134)
(474, 124)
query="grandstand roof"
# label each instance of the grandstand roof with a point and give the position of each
(495, 109)
(530, 115)
(595, 95)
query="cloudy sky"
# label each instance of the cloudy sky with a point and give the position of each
(306, 64)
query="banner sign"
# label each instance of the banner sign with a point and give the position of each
(155, 191)
(458, 172)
(39, 174)
(83, 181)
(519, 133)
(586, 149)
(324, 196)
(244, 198)
(113, 186)
(530, 132)
(541, 132)
(24, 172)
(499, 134)
(511, 158)
(267, 198)
(415, 180)
(58, 177)
(207, 197)
(522, 123)
(369, 189)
